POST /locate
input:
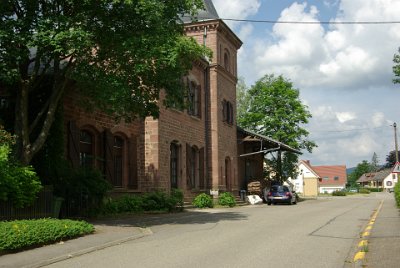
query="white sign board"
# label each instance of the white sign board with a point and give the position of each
(396, 168)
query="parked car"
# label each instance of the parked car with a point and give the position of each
(391, 190)
(280, 194)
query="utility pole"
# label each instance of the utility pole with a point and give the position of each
(395, 143)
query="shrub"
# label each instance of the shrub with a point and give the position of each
(155, 201)
(397, 193)
(339, 193)
(203, 201)
(20, 184)
(25, 233)
(364, 191)
(227, 199)
(375, 190)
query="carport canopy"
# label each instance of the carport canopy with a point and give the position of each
(266, 144)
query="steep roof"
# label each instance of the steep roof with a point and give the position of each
(329, 173)
(309, 167)
(209, 13)
(375, 176)
(366, 177)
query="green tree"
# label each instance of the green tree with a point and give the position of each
(118, 53)
(391, 159)
(362, 168)
(275, 110)
(19, 184)
(242, 99)
(396, 68)
(374, 162)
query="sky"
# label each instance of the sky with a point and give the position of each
(343, 71)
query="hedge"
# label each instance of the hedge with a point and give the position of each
(21, 234)
(397, 193)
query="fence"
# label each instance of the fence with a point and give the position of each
(45, 206)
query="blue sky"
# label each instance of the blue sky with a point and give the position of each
(343, 72)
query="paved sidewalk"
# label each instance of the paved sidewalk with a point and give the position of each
(108, 233)
(384, 242)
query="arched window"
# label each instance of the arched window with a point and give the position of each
(86, 149)
(118, 160)
(227, 112)
(194, 99)
(227, 61)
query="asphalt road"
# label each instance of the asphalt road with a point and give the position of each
(313, 233)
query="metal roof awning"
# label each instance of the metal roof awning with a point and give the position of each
(267, 144)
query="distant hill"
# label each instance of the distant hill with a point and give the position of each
(350, 170)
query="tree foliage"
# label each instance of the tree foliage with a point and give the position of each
(119, 53)
(362, 168)
(391, 159)
(374, 162)
(275, 110)
(396, 68)
(18, 184)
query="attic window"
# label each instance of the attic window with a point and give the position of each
(336, 178)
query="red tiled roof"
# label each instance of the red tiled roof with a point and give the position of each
(329, 173)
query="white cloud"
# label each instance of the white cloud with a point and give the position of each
(236, 9)
(345, 116)
(340, 56)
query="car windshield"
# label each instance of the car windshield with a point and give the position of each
(279, 188)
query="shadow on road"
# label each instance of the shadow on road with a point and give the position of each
(190, 217)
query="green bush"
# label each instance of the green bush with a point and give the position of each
(397, 193)
(227, 199)
(203, 201)
(339, 193)
(375, 190)
(364, 191)
(26, 233)
(20, 184)
(155, 201)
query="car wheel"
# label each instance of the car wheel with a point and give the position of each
(295, 201)
(268, 203)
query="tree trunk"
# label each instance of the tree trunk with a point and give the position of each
(25, 148)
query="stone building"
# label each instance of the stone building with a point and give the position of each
(193, 149)
(196, 149)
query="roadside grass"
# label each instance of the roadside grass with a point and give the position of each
(22, 234)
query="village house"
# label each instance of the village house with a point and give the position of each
(312, 180)
(384, 178)
(196, 149)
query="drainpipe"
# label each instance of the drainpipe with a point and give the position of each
(206, 112)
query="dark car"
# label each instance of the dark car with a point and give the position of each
(280, 194)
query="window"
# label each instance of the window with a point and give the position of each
(389, 183)
(174, 157)
(194, 99)
(336, 178)
(86, 149)
(227, 60)
(325, 178)
(118, 160)
(227, 112)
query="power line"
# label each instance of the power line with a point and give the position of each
(313, 22)
(301, 22)
(347, 130)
